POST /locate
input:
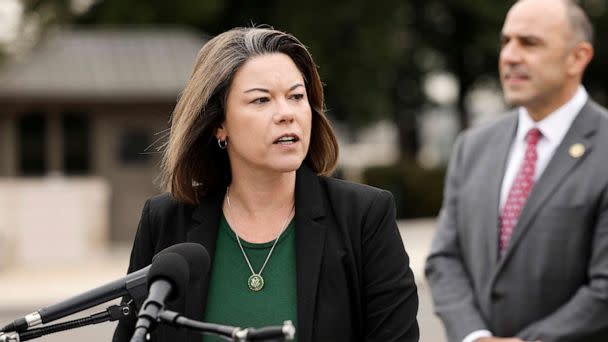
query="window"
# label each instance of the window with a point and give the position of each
(32, 142)
(76, 143)
(133, 146)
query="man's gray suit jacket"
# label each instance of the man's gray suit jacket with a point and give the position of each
(551, 284)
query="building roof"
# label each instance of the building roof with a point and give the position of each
(104, 64)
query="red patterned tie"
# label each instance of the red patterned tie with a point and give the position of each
(522, 184)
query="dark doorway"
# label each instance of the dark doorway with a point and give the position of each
(32, 138)
(76, 130)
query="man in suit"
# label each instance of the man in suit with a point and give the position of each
(521, 249)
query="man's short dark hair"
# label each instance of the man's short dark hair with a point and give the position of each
(579, 22)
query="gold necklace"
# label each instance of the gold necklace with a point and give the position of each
(256, 281)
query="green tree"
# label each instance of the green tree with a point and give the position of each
(597, 73)
(463, 35)
(358, 45)
(194, 13)
(373, 55)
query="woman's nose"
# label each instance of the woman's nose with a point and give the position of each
(284, 112)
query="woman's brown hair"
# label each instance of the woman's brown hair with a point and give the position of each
(193, 165)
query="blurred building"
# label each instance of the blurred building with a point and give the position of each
(86, 105)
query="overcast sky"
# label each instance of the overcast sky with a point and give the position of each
(10, 17)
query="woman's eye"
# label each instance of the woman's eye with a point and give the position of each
(297, 97)
(260, 100)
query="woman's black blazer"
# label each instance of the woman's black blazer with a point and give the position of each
(354, 282)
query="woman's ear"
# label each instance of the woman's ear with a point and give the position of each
(220, 132)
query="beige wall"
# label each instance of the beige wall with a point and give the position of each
(128, 185)
(131, 184)
(52, 220)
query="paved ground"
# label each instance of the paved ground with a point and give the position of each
(25, 290)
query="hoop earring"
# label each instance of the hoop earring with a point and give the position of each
(222, 143)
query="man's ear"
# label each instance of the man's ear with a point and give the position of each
(580, 58)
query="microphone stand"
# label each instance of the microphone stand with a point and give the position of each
(112, 313)
(285, 332)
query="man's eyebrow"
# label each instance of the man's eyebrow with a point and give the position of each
(524, 37)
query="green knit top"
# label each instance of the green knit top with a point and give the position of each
(231, 302)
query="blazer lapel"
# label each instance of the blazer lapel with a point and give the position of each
(496, 171)
(560, 165)
(203, 230)
(310, 240)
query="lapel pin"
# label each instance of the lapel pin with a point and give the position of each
(577, 150)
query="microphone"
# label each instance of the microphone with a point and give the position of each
(168, 278)
(195, 254)
(134, 284)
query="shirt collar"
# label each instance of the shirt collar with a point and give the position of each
(555, 125)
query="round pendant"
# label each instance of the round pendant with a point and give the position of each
(255, 282)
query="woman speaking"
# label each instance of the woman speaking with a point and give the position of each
(246, 171)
